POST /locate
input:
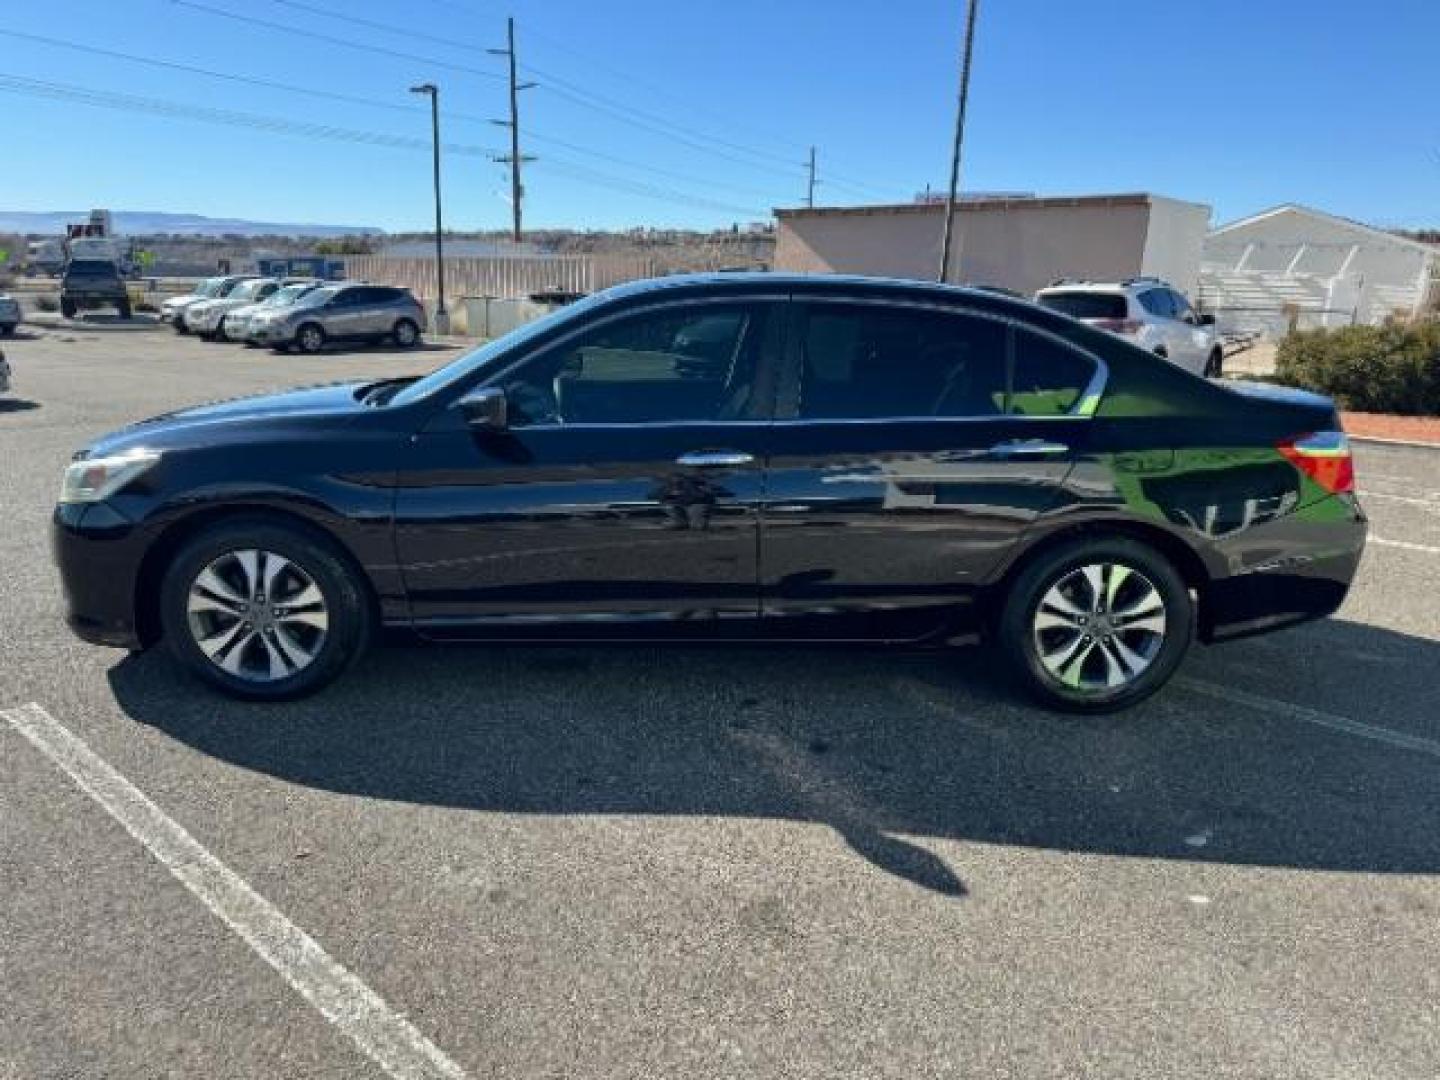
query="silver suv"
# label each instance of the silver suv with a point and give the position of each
(341, 312)
(1145, 311)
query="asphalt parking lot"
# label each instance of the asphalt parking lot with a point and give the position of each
(700, 862)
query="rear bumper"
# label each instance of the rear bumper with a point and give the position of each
(98, 554)
(1287, 571)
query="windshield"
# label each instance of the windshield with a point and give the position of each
(248, 289)
(1086, 305)
(286, 295)
(318, 296)
(92, 267)
(472, 362)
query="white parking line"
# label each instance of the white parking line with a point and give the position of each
(1405, 545)
(389, 1039)
(1290, 711)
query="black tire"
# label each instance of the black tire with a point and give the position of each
(7, 329)
(406, 334)
(124, 308)
(67, 308)
(1214, 366)
(1017, 635)
(310, 337)
(346, 602)
(179, 324)
(219, 334)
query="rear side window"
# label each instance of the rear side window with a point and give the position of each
(1050, 378)
(1158, 302)
(1086, 305)
(868, 362)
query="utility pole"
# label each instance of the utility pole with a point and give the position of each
(515, 159)
(441, 322)
(959, 138)
(810, 190)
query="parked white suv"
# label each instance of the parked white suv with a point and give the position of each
(1145, 311)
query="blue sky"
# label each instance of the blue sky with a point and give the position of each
(668, 112)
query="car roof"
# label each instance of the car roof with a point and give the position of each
(751, 282)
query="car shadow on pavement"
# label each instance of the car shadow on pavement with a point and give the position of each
(893, 750)
(9, 405)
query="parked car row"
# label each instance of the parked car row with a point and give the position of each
(303, 313)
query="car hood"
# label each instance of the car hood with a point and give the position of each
(237, 420)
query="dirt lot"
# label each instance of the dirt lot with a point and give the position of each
(703, 862)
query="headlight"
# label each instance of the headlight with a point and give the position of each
(95, 479)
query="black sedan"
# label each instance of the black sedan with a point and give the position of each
(728, 458)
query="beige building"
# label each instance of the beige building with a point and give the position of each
(1020, 243)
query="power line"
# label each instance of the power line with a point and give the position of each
(374, 103)
(374, 24)
(637, 187)
(302, 32)
(134, 103)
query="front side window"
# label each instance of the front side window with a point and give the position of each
(869, 362)
(694, 363)
(1049, 378)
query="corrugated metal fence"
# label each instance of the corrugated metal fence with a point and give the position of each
(509, 277)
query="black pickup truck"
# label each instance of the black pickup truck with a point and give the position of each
(91, 283)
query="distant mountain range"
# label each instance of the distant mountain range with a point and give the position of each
(147, 222)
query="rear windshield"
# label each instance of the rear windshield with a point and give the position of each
(91, 268)
(1085, 305)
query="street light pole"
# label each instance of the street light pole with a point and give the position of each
(959, 137)
(441, 322)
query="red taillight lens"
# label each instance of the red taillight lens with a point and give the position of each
(1324, 456)
(1119, 326)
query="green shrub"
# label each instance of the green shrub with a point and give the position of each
(1393, 369)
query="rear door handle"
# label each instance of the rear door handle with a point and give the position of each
(1028, 448)
(713, 459)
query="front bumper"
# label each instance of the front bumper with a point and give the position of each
(98, 553)
(273, 334)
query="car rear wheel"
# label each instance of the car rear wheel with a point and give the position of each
(67, 308)
(263, 611)
(124, 308)
(1214, 364)
(1097, 624)
(310, 338)
(407, 334)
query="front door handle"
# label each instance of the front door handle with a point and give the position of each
(1028, 448)
(713, 459)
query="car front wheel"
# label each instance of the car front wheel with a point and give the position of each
(263, 611)
(1097, 624)
(310, 338)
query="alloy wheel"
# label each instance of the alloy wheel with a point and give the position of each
(257, 615)
(1099, 626)
(311, 339)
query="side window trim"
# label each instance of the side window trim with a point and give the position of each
(787, 403)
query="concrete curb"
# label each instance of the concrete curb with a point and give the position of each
(49, 320)
(1395, 442)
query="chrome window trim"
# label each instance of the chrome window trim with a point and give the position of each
(1083, 409)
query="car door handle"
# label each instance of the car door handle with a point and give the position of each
(712, 459)
(1028, 448)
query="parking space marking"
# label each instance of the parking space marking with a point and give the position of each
(383, 1034)
(1405, 545)
(1428, 504)
(1344, 724)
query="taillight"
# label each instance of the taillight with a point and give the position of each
(1324, 456)
(1119, 326)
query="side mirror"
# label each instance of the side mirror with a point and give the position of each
(485, 408)
(1207, 318)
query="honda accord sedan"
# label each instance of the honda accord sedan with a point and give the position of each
(728, 458)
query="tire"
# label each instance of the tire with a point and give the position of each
(7, 329)
(124, 308)
(310, 338)
(1215, 364)
(406, 334)
(1034, 641)
(312, 645)
(67, 308)
(219, 333)
(179, 324)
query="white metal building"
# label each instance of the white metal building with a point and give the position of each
(1296, 263)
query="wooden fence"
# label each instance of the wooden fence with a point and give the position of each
(507, 277)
